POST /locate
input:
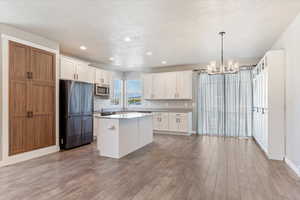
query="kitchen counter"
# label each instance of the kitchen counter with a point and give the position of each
(121, 134)
(130, 115)
(179, 110)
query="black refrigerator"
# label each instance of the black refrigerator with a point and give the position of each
(76, 113)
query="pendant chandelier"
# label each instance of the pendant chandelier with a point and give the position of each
(231, 67)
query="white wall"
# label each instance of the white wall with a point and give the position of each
(290, 42)
(25, 36)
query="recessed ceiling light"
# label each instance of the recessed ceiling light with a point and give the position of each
(164, 62)
(111, 58)
(83, 47)
(149, 53)
(127, 39)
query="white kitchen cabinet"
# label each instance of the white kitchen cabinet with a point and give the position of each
(103, 77)
(158, 88)
(170, 85)
(184, 82)
(173, 123)
(147, 86)
(71, 69)
(161, 121)
(85, 73)
(268, 104)
(120, 135)
(67, 69)
(178, 122)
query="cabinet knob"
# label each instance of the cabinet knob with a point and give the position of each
(112, 127)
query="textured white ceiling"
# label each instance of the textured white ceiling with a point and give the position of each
(177, 31)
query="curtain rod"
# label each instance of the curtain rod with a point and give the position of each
(245, 67)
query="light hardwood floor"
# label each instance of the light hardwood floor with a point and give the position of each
(173, 167)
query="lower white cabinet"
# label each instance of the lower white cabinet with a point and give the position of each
(72, 69)
(161, 121)
(173, 123)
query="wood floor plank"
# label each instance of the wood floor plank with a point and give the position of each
(171, 168)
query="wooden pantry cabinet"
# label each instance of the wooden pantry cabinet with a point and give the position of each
(31, 98)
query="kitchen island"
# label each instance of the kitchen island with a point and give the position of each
(121, 134)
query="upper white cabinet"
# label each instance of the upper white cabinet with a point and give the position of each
(67, 69)
(158, 89)
(85, 73)
(103, 77)
(171, 85)
(147, 86)
(184, 86)
(71, 69)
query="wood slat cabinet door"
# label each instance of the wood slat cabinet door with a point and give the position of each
(32, 98)
(42, 99)
(18, 96)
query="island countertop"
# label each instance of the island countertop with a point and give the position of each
(125, 115)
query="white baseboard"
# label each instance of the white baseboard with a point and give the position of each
(292, 166)
(172, 133)
(28, 155)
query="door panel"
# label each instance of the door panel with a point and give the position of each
(158, 89)
(75, 99)
(67, 69)
(42, 66)
(164, 122)
(170, 82)
(18, 96)
(87, 99)
(42, 98)
(147, 86)
(73, 132)
(17, 136)
(184, 85)
(87, 129)
(18, 61)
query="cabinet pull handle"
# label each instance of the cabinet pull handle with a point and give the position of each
(112, 127)
(29, 75)
(29, 114)
(74, 76)
(77, 76)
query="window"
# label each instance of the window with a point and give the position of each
(116, 97)
(134, 92)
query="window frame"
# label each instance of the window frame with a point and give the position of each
(126, 96)
(121, 103)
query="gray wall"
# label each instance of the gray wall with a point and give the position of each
(290, 42)
(11, 31)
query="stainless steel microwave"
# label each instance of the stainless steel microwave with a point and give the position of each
(102, 90)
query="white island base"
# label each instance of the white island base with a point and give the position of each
(122, 134)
